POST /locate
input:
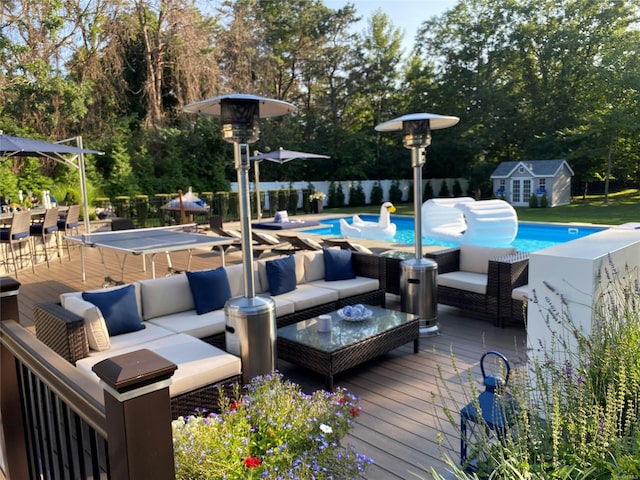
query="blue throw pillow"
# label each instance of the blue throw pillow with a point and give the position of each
(119, 309)
(281, 274)
(210, 289)
(337, 264)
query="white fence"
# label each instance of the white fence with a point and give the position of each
(367, 186)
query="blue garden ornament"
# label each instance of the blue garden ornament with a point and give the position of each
(495, 405)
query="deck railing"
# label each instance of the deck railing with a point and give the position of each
(58, 423)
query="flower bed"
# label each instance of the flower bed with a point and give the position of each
(271, 429)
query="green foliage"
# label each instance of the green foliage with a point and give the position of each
(576, 409)
(8, 181)
(456, 189)
(376, 194)
(356, 195)
(444, 189)
(395, 192)
(269, 429)
(427, 192)
(533, 201)
(544, 201)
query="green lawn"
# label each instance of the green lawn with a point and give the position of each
(623, 207)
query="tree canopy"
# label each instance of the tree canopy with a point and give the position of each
(529, 80)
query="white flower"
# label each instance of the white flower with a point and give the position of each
(325, 428)
(317, 196)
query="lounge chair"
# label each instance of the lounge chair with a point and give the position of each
(346, 245)
(301, 243)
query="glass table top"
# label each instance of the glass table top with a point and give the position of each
(343, 332)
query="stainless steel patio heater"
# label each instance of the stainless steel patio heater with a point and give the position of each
(250, 320)
(418, 276)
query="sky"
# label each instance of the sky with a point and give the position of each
(404, 14)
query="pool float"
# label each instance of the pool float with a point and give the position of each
(464, 220)
(383, 229)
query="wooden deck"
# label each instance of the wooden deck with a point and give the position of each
(402, 393)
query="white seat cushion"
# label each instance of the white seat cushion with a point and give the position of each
(283, 306)
(235, 275)
(467, 281)
(199, 363)
(124, 341)
(166, 295)
(520, 293)
(348, 288)
(307, 296)
(189, 322)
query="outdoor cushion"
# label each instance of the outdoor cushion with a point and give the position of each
(520, 293)
(337, 264)
(199, 364)
(467, 281)
(281, 275)
(313, 265)
(166, 295)
(210, 289)
(351, 287)
(94, 324)
(151, 332)
(307, 296)
(261, 277)
(118, 307)
(199, 326)
(136, 287)
(283, 305)
(235, 277)
(475, 258)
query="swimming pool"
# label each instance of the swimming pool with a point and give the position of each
(531, 236)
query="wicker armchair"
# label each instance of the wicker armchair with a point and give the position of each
(503, 273)
(513, 292)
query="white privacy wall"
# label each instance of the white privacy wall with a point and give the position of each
(566, 280)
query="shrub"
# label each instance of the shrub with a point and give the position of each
(544, 201)
(376, 194)
(271, 430)
(427, 194)
(457, 189)
(533, 201)
(339, 196)
(576, 414)
(395, 193)
(356, 195)
(444, 189)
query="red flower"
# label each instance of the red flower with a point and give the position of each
(355, 412)
(344, 400)
(233, 405)
(252, 462)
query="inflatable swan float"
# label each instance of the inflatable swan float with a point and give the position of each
(383, 229)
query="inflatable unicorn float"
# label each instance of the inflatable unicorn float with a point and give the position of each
(383, 229)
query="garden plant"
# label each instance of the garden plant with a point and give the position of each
(271, 429)
(575, 410)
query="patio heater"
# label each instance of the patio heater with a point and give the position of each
(250, 319)
(418, 276)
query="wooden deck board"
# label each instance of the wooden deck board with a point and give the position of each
(402, 393)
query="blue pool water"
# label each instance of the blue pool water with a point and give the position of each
(531, 237)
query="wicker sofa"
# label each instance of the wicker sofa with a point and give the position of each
(479, 279)
(196, 343)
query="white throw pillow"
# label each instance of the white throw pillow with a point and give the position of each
(475, 258)
(94, 324)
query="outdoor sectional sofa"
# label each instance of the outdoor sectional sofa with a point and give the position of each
(169, 323)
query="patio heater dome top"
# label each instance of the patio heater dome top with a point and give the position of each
(436, 121)
(268, 107)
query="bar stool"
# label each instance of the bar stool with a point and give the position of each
(45, 230)
(17, 236)
(69, 225)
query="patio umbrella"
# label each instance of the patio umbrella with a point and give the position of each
(279, 156)
(11, 146)
(187, 203)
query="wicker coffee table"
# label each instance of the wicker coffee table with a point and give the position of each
(348, 343)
